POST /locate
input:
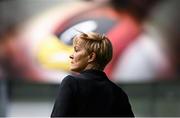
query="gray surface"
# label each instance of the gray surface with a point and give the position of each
(30, 109)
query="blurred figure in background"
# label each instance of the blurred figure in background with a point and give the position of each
(8, 68)
(3, 87)
(14, 63)
(150, 56)
(5, 30)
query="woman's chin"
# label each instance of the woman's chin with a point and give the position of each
(76, 70)
(73, 69)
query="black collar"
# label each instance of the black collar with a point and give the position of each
(93, 74)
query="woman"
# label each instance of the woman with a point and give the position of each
(90, 92)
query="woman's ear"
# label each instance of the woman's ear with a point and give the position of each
(92, 57)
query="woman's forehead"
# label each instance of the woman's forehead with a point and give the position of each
(78, 41)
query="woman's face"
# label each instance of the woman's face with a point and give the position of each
(79, 58)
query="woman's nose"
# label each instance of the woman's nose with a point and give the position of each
(71, 56)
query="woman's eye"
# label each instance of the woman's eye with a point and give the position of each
(75, 50)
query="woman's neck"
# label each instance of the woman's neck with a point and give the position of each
(94, 67)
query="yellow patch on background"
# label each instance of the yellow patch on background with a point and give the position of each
(54, 54)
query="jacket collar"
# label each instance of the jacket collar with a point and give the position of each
(94, 74)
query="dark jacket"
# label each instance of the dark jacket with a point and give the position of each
(91, 93)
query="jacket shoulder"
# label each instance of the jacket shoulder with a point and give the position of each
(69, 78)
(69, 81)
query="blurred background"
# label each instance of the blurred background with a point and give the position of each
(35, 44)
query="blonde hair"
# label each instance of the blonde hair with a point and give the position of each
(97, 43)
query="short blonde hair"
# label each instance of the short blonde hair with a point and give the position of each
(97, 43)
